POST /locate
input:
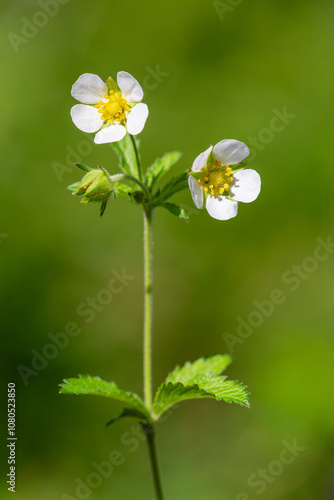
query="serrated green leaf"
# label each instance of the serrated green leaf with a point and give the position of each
(200, 379)
(161, 167)
(127, 155)
(187, 373)
(230, 391)
(168, 394)
(176, 210)
(206, 386)
(86, 384)
(173, 186)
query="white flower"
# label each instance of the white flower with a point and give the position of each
(216, 184)
(110, 108)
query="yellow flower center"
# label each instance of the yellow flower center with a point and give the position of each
(216, 179)
(115, 109)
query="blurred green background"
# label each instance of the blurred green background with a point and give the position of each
(210, 70)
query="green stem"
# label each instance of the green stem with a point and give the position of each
(148, 303)
(134, 145)
(154, 463)
(120, 177)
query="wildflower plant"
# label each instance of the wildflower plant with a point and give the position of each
(218, 180)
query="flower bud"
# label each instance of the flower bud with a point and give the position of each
(95, 186)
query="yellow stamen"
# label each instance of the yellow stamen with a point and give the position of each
(115, 109)
(216, 178)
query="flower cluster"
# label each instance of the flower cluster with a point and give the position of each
(217, 180)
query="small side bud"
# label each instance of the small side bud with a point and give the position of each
(138, 197)
(95, 186)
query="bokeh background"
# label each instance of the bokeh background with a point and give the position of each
(210, 70)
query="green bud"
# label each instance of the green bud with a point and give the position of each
(95, 186)
(138, 197)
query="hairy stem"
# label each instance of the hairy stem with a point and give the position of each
(148, 306)
(120, 177)
(150, 433)
(134, 145)
(148, 309)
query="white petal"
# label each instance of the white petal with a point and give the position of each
(86, 118)
(113, 133)
(246, 186)
(136, 118)
(89, 89)
(230, 152)
(221, 208)
(196, 191)
(129, 86)
(200, 161)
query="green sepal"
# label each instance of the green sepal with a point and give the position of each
(88, 385)
(112, 85)
(74, 187)
(83, 167)
(197, 175)
(176, 210)
(127, 155)
(238, 166)
(211, 158)
(103, 207)
(161, 167)
(87, 181)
